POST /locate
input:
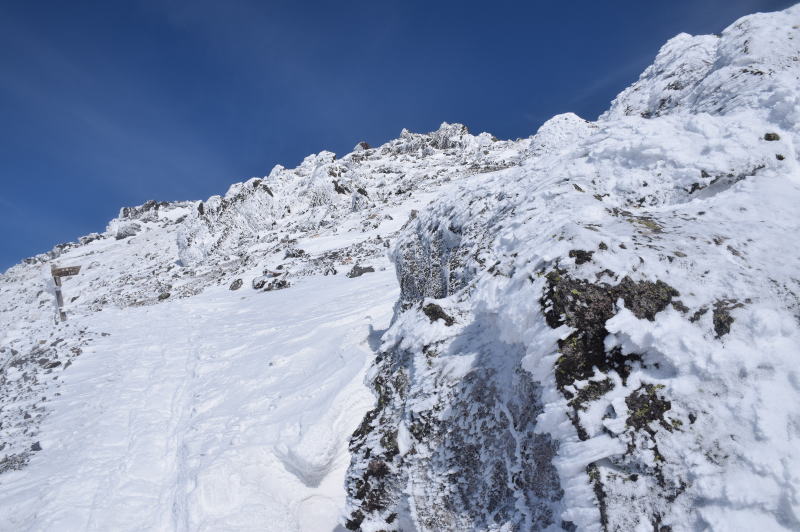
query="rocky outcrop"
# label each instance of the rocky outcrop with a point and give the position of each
(127, 230)
(576, 343)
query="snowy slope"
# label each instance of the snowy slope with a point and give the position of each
(606, 337)
(209, 413)
(595, 328)
(211, 370)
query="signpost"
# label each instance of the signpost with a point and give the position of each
(58, 273)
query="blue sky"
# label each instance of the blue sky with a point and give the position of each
(107, 104)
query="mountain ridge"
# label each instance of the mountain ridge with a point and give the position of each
(593, 328)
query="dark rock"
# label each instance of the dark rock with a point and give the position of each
(261, 283)
(14, 462)
(591, 392)
(734, 251)
(378, 468)
(646, 299)
(294, 253)
(358, 271)
(772, 136)
(148, 209)
(127, 230)
(695, 187)
(277, 284)
(355, 520)
(779, 156)
(36, 447)
(593, 472)
(581, 256)
(340, 189)
(586, 307)
(679, 306)
(645, 406)
(164, 295)
(236, 284)
(435, 312)
(90, 238)
(721, 316)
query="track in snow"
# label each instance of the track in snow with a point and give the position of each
(226, 411)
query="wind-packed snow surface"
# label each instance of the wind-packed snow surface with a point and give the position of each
(595, 328)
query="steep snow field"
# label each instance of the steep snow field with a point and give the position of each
(595, 328)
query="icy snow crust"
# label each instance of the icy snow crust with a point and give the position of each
(606, 338)
(596, 328)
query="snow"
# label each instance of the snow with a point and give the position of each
(218, 366)
(171, 400)
(220, 412)
(691, 179)
(752, 368)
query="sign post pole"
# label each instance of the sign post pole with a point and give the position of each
(58, 273)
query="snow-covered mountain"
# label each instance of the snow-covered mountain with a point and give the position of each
(595, 328)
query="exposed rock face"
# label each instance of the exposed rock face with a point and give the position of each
(146, 212)
(472, 456)
(358, 271)
(127, 230)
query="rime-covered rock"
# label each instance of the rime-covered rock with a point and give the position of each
(581, 342)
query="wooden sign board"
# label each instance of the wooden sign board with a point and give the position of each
(66, 271)
(58, 273)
